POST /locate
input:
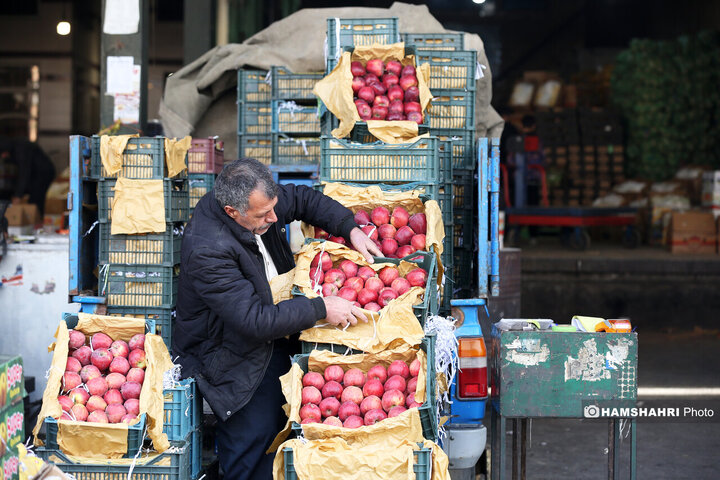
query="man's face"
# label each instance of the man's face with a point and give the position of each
(260, 214)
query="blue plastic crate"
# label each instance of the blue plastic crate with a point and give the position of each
(175, 192)
(254, 118)
(145, 248)
(258, 147)
(452, 109)
(463, 144)
(179, 467)
(435, 41)
(143, 158)
(449, 69)
(352, 32)
(343, 161)
(183, 410)
(139, 285)
(287, 85)
(289, 118)
(134, 440)
(252, 86)
(161, 318)
(198, 185)
(428, 410)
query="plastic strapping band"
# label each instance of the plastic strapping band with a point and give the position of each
(337, 39)
(268, 78)
(304, 146)
(92, 227)
(135, 458)
(291, 107)
(479, 67)
(104, 273)
(317, 288)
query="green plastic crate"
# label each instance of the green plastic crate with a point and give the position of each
(343, 161)
(252, 86)
(435, 41)
(452, 109)
(254, 118)
(462, 271)
(139, 285)
(206, 155)
(361, 134)
(179, 468)
(182, 414)
(287, 85)
(295, 150)
(258, 147)
(351, 32)
(145, 248)
(449, 69)
(161, 318)
(463, 141)
(134, 439)
(143, 158)
(292, 119)
(199, 184)
(422, 466)
(428, 417)
(177, 200)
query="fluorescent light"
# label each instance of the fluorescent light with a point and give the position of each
(478, 1)
(63, 28)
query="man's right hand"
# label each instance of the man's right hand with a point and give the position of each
(340, 312)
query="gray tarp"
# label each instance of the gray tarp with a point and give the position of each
(200, 98)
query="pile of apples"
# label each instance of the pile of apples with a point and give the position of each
(386, 91)
(352, 398)
(103, 379)
(360, 284)
(397, 234)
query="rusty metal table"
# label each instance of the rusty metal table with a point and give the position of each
(545, 374)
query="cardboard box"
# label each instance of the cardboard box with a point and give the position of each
(12, 380)
(12, 426)
(711, 189)
(10, 466)
(19, 215)
(693, 232)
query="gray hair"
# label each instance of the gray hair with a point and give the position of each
(239, 179)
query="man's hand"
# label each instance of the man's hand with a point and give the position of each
(364, 245)
(340, 312)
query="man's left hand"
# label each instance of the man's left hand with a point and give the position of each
(364, 245)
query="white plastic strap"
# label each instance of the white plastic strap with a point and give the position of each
(338, 53)
(317, 288)
(290, 106)
(135, 458)
(104, 273)
(92, 227)
(304, 146)
(268, 78)
(479, 67)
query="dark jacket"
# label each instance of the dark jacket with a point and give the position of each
(226, 320)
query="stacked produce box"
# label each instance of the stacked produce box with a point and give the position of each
(138, 273)
(254, 115)
(12, 414)
(295, 123)
(205, 161)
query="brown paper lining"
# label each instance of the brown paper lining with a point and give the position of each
(111, 152)
(138, 206)
(106, 440)
(175, 154)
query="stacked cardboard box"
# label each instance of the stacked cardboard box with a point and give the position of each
(12, 414)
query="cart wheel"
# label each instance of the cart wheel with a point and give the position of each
(579, 239)
(631, 238)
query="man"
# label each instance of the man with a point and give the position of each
(35, 171)
(228, 334)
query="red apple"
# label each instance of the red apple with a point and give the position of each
(418, 241)
(404, 235)
(329, 406)
(357, 69)
(388, 275)
(97, 386)
(326, 261)
(408, 81)
(395, 117)
(378, 88)
(347, 293)
(311, 395)
(379, 113)
(398, 367)
(132, 406)
(418, 223)
(385, 296)
(332, 388)
(412, 107)
(317, 277)
(335, 276)
(115, 413)
(399, 217)
(374, 284)
(120, 364)
(411, 402)
(394, 67)
(334, 373)
(349, 268)
(329, 290)
(412, 94)
(388, 246)
(334, 421)
(320, 233)
(130, 390)
(389, 80)
(89, 372)
(137, 341)
(83, 354)
(73, 365)
(352, 394)
(310, 411)
(137, 358)
(79, 395)
(128, 418)
(339, 240)
(65, 402)
(380, 216)
(371, 78)
(405, 250)
(417, 277)
(366, 296)
(400, 285)
(365, 273)
(79, 411)
(77, 339)
(362, 217)
(136, 375)
(364, 111)
(414, 368)
(373, 387)
(114, 396)
(386, 231)
(374, 416)
(95, 403)
(392, 398)
(348, 409)
(396, 382)
(370, 231)
(309, 420)
(101, 358)
(396, 105)
(407, 70)
(377, 372)
(354, 377)
(370, 402)
(381, 101)
(100, 340)
(313, 379)
(366, 93)
(375, 66)
(411, 385)
(119, 348)
(353, 421)
(357, 84)
(70, 380)
(372, 306)
(415, 117)
(395, 411)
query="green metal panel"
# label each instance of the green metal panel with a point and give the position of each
(556, 374)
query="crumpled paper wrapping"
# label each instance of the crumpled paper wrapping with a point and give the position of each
(138, 206)
(396, 322)
(175, 154)
(97, 440)
(405, 426)
(335, 91)
(111, 151)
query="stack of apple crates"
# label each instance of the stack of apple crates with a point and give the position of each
(138, 276)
